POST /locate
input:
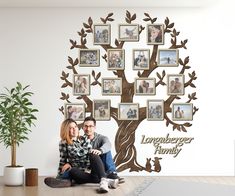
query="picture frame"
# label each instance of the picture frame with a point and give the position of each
(155, 110)
(141, 58)
(145, 86)
(182, 111)
(155, 34)
(101, 109)
(175, 84)
(101, 34)
(89, 57)
(128, 32)
(168, 57)
(75, 111)
(111, 86)
(128, 111)
(81, 84)
(116, 59)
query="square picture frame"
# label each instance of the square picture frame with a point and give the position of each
(128, 32)
(111, 86)
(101, 34)
(155, 34)
(101, 109)
(182, 111)
(116, 59)
(81, 84)
(168, 57)
(128, 111)
(155, 109)
(141, 58)
(89, 57)
(145, 86)
(175, 84)
(75, 111)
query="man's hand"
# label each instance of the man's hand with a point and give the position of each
(95, 151)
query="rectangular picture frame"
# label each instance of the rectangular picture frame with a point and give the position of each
(155, 34)
(168, 57)
(111, 86)
(101, 109)
(116, 59)
(141, 58)
(145, 86)
(75, 111)
(155, 110)
(128, 111)
(101, 34)
(175, 84)
(128, 32)
(81, 84)
(182, 111)
(89, 57)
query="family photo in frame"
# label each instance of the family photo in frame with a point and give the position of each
(89, 57)
(81, 84)
(175, 84)
(155, 34)
(101, 109)
(111, 86)
(128, 32)
(75, 111)
(182, 111)
(155, 110)
(145, 86)
(128, 111)
(141, 59)
(116, 59)
(102, 34)
(168, 57)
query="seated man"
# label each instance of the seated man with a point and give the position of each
(101, 146)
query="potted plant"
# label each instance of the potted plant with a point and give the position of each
(16, 119)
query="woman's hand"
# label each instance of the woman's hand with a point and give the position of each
(67, 166)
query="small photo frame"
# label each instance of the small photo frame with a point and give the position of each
(155, 34)
(141, 59)
(175, 84)
(168, 57)
(101, 109)
(128, 111)
(81, 84)
(128, 32)
(155, 110)
(182, 111)
(111, 86)
(145, 86)
(102, 34)
(89, 57)
(116, 59)
(75, 111)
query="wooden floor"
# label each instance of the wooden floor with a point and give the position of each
(132, 184)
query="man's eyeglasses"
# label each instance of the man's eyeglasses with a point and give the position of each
(88, 126)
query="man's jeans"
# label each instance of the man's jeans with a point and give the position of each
(109, 164)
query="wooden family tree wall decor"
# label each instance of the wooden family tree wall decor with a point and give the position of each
(129, 115)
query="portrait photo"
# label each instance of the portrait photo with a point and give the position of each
(81, 84)
(128, 32)
(75, 111)
(145, 86)
(182, 111)
(155, 34)
(128, 111)
(141, 59)
(168, 57)
(89, 58)
(116, 59)
(175, 84)
(101, 109)
(102, 34)
(111, 86)
(155, 110)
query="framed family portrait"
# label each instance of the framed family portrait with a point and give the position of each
(145, 86)
(101, 109)
(155, 34)
(168, 57)
(128, 111)
(182, 111)
(81, 84)
(175, 84)
(141, 59)
(75, 111)
(111, 86)
(102, 34)
(116, 59)
(128, 32)
(155, 110)
(89, 57)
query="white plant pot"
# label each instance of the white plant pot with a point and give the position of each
(14, 176)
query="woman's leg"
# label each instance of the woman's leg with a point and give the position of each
(97, 166)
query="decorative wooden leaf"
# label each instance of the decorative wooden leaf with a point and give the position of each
(167, 123)
(89, 31)
(110, 19)
(171, 25)
(86, 25)
(102, 19)
(133, 17)
(110, 14)
(154, 20)
(187, 124)
(76, 61)
(192, 85)
(128, 21)
(116, 42)
(183, 129)
(93, 73)
(186, 60)
(94, 83)
(64, 85)
(146, 19)
(98, 76)
(146, 14)
(90, 22)
(128, 14)
(166, 21)
(70, 60)
(69, 67)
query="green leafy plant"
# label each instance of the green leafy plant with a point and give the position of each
(16, 117)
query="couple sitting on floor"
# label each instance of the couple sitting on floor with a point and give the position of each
(84, 159)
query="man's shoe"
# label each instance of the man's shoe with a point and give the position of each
(104, 185)
(121, 180)
(57, 183)
(113, 175)
(112, 183)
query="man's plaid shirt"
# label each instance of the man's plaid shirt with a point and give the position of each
(75, 154)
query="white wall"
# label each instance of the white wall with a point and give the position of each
(34, 45)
